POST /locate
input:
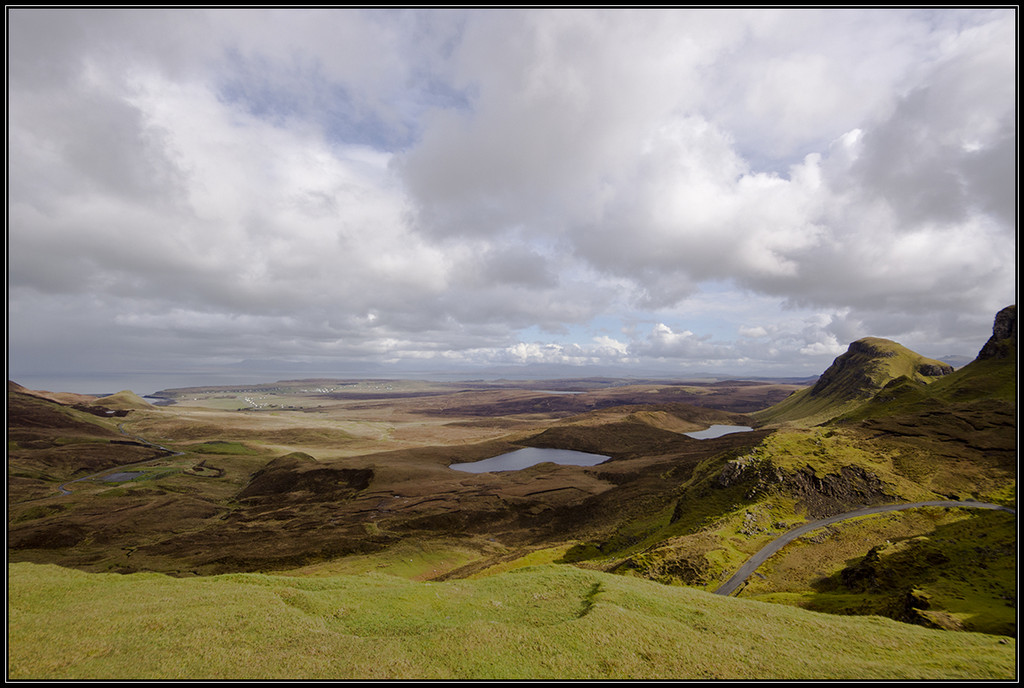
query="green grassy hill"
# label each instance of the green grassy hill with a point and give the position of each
(859, 374)
(126, 400)
(887, 432)
(551, 622)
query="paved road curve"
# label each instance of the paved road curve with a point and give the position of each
(774, 546)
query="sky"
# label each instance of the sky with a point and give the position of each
(203, 196)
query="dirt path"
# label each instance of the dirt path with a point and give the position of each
(774, 546)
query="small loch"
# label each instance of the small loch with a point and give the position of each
(530, 456)
(717, 431)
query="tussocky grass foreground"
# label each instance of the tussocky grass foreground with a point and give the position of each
(540, 622)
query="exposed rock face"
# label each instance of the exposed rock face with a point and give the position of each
(865, 367)
(750, 467)
(847, 370)
(934, 370)
(668, 565)
(732, 472)
(850, 488)
(1003, 342)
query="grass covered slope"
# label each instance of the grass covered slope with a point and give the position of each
(545, 622)
(126, 400)
(937, 567)
(887, 431)
(854, 377)
(886, 434)
(49, 442)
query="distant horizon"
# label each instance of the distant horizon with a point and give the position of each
(106, 385)
(146, 384)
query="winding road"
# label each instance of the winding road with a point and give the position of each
(775, 545)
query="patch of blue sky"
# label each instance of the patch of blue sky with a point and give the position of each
(760, 162)
(278, 93)
(563, 334)
(433, 92)
(718, 309)
(583, 334)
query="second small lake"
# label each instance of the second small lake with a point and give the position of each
(717, 431)
(531, 456)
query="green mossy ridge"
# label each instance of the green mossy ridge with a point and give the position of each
(938, 567)
(522, 625)
(868, 366)
(992, 380)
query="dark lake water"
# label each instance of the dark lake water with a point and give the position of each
(531, 456)
(717, 431)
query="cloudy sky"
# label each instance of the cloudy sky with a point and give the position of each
(193, 194)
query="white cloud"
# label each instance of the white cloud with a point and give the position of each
(254, 184)
(752, 332)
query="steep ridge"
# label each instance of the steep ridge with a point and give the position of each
(968, 415)
(867, 367)
(1003, 342)
(988, 383)
(890, 430)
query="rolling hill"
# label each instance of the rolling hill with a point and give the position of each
(552, 622)
(891, 433)
(867, 367)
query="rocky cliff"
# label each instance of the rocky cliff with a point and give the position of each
(1003, 342)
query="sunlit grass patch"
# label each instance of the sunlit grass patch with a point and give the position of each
(221, 447)
(409, 559)
(543, 623)
(538, 557)
(962, 562)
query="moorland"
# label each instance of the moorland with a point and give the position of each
(316, 529)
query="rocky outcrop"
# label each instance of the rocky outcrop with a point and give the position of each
(1003, 342)
(848, 371)
(759, 471)
(934, 369)
(851, 487)
(668, 565)
(864, 369)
